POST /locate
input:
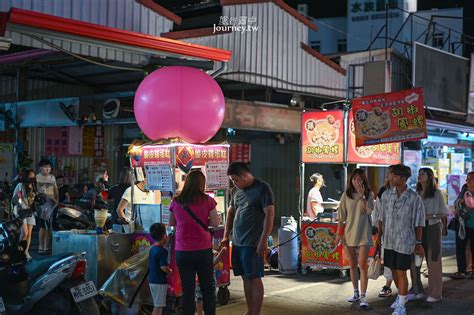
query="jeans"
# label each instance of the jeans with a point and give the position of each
(200, 262)
(461, 249)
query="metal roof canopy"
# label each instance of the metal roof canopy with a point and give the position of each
(45, 26)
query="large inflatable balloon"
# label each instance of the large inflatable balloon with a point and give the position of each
(179, 102)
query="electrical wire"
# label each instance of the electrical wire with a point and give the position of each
(42, 40)
(340, 31)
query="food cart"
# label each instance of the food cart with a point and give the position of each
(329, 137)
(165, 166)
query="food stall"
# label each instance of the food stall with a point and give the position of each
(165, 166)
(334, 137)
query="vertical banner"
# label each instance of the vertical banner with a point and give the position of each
(412, 159)
(99, 141)
(88, 141)
(322, 135)
(457, 163)
(75, 141)
(240, 152)
(389, 117)
(56, 141)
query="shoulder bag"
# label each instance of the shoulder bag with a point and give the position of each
(197, 220)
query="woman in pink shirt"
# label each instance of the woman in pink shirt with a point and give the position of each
(193, 241)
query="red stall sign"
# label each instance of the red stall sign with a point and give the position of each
(322, 136)
(148, 155)
(240, 152)
(385, 153)
(389, 117)
(319, 248)
(205, 154)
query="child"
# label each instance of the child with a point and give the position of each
(198, 298)
(159, 267)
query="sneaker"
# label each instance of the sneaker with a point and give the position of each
(354, 298)
(395, 303)
(363, 302)
(400, 310)
(432, 299)
(385, 292)
(413, 296)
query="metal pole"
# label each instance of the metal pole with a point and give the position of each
(302, 201)
(302, 178)
(386, 30)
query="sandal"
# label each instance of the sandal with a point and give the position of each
(458, 276)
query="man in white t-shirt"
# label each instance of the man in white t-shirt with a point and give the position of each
(140, 196)
(46, 183)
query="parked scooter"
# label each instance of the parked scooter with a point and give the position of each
(49, 285)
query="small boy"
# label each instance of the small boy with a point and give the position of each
(159, 267)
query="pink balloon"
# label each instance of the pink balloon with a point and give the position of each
(179, 102)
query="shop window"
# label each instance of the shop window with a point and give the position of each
(316, 45)
(341, 45)
(438, 40)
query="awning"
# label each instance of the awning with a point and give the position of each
(52, 28)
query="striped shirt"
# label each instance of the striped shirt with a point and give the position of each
(400, 216)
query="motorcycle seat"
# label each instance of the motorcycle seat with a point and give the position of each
(38, 266)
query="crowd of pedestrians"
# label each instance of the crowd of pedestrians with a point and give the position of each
(409, 226)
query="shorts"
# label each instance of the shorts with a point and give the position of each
(44, 224)
(246, 262)
(29, 220)
(396, 261)
(158, 293)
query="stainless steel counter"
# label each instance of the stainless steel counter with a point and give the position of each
(104, 253)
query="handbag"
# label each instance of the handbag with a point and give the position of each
(375, 267)
(197, 220)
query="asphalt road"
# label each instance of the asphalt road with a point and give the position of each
(326, 293)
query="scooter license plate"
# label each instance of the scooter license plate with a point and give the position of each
(2, 305)
(83, 291)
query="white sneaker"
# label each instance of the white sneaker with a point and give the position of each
(413, 296)
(432, 299)
(363, 302)
(354, 298)
(400, 310)
(395, 303)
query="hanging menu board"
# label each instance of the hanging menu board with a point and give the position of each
(389, 117)
(216, 176)
(322, 137)
(159, 177)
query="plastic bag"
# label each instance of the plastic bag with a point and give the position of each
(128, 278)
(375, 268)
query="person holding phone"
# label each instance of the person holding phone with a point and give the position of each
(353, 217)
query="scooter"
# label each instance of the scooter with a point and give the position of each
(49, 285)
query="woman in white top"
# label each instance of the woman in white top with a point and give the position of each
(313, 206)
(23, 197)
(436, 211)
(140, 196)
